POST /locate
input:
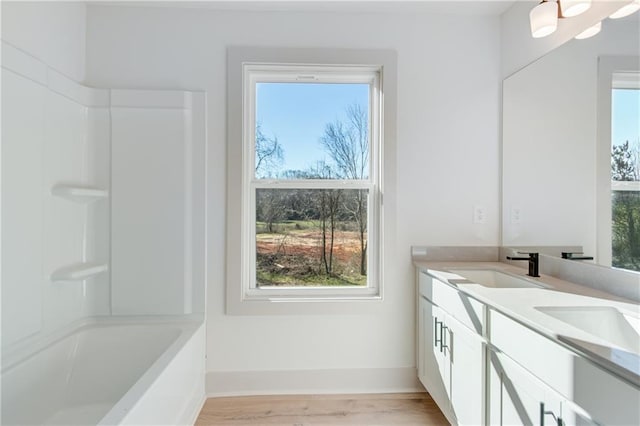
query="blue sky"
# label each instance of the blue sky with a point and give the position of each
(297, 113)
(625, 117)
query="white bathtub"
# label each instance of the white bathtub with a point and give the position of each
(110, 371)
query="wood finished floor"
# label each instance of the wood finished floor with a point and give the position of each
(298, 410)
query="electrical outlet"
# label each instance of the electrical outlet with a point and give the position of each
(516, 215)
(479, 214)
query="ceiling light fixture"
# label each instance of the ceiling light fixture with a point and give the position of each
(626, 10)
(544, 18)
(590, 32)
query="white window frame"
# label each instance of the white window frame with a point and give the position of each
(248, 66)
(279, 73)
(612, 74)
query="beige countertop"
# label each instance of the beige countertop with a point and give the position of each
(521, 305)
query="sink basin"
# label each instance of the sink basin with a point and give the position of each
(620, 328)
(491, 278)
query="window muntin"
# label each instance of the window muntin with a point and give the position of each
(275, 264)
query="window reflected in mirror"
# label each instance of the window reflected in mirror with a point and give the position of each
(625, 171)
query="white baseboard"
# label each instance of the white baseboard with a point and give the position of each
(305, 382)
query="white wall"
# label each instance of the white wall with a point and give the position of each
(53, 32)
(50, 131)
(447, 155)
(50, 135)
(550, 141)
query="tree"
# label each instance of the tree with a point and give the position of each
(270, 208)
(625, 166)
(327, 207)
(348, 146)
(269, 154)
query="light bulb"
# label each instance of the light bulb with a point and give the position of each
(590, 32)
(626, 10)
(544, 19)
(571, 8)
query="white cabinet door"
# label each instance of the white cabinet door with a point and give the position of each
(518, 397)
(466, 362)
(431, 365)
(451, 365)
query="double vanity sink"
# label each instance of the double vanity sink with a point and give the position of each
(540, 348)
(618, 326)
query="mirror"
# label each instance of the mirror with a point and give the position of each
(550, 149)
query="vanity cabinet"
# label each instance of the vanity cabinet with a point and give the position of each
(483, 367)
(450, 353)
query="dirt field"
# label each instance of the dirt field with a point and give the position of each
(309, 243)
(295, 258)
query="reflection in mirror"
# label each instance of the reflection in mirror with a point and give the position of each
(557, 174)
(618, 196)
(625, 170)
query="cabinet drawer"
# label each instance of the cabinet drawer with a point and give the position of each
(547, 360)
(468, 311)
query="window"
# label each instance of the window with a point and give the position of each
(311, 180)
(305, 193)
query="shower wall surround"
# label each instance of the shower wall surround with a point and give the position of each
(97, 186)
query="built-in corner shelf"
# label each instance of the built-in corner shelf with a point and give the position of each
(79, 194)
(79, 271)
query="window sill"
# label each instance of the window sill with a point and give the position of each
(304, 305)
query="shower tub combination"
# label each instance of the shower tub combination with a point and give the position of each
(108, 371)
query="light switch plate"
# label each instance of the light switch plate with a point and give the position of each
(479, 214)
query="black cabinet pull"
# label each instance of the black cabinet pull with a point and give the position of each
(443, 337)
(543, 413)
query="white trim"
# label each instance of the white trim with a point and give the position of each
(301, 382)
(625, 185)
(319, 74)
(626, 80)
(254, 74)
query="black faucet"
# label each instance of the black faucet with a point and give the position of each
(534, 262)
(572, 255)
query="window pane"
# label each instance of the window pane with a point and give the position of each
(312, 131)
(311, 237)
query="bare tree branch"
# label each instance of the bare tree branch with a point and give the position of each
(269, 153)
